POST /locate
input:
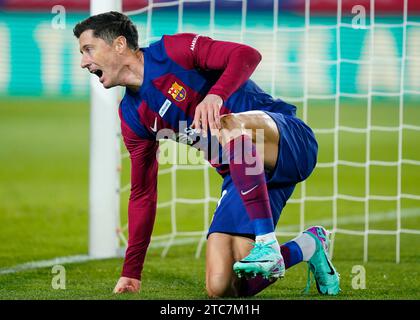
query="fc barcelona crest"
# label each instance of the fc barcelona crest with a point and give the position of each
(177, 92)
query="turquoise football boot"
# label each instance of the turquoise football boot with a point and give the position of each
(326, 277)
(263, 260)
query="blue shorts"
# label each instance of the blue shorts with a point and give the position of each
(296, 160)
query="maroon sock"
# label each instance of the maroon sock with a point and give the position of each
(247, 173)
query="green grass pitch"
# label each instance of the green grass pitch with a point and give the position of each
(44, 207)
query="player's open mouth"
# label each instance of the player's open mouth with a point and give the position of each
(98, 72)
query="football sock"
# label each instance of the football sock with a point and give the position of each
(250, 287)
(247, 173)
(292, 254)
(306, 244)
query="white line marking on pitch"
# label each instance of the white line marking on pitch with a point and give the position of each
(45, 263)
(79, 258)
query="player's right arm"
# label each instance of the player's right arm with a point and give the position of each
(235, 61)
(141, 207)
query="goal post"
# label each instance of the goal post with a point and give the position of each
(104, 163)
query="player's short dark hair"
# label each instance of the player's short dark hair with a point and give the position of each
(109, 26)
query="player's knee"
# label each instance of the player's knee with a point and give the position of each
(230, 122)
(232, 127)
(218, 286)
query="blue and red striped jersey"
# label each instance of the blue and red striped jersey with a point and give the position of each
(173, 86)
(179, 71)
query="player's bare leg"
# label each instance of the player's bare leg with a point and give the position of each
(222, 252)
(250, 145)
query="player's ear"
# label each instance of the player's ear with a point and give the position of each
(120, 44)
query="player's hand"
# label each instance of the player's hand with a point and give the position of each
(125, 284)
(207, 114)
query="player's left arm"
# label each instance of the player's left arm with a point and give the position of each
(236, 61)
(141, 207)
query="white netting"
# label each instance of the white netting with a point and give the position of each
(317, 75)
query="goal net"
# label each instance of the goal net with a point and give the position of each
(353, 74)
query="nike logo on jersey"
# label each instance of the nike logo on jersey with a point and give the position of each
(221, 197)
(154, 128)
(249, 190)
